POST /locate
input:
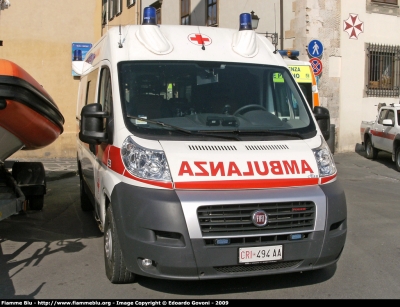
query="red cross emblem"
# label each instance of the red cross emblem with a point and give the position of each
(353, 26)
(199, 39)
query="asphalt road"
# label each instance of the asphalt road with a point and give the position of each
(57, 253)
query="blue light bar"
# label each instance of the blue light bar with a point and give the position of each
(245, 22)
(149, 16)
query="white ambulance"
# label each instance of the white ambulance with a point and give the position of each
(201, 158)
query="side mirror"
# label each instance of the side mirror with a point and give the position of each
(324, 120)
(91, 125)
(387, 122)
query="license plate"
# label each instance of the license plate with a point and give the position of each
(260, 254)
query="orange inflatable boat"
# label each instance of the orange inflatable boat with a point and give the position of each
(29, 118)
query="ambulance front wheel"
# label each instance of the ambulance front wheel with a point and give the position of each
(116, 270)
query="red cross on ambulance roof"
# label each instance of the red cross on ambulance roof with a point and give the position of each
(199, 39)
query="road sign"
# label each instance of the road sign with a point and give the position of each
(316, 65)
(315, 48)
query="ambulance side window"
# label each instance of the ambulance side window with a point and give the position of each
(83, 87)
(87, 91)
(105, 94)
(306, 88)
(91, 87)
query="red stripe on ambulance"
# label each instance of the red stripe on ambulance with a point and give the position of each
(247, 184)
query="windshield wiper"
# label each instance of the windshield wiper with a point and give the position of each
(200, 133)
(160, 124)
(280, 132)
(268, 132)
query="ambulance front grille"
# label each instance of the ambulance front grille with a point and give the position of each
(235, 219)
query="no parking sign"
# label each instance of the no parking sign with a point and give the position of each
(316, 66)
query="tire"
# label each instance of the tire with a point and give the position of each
(116, 270)
(397, 160)
(370, 150)
(86, 204)
(36, 202)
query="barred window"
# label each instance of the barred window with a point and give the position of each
(185, 12)
(385, 1)
(212, 13)
(383, 70)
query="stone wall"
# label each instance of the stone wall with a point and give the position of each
(320, 19)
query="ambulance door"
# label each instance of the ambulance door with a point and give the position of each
(88, 151)
(105, 98)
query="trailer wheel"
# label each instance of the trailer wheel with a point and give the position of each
(116, 270)
(398, 159)
(36, 202)
(370, 150)
(86, 204)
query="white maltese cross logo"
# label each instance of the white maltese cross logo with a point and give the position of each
(353, 26)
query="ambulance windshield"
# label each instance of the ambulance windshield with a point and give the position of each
(164, 98)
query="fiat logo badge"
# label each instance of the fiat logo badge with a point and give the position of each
(259, 218)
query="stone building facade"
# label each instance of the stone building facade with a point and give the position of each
(320, 19)
(38, 36)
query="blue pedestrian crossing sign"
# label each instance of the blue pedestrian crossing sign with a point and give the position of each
(315, 48)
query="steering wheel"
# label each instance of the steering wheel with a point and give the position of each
(249, 108)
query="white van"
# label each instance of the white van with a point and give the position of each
(201, 158)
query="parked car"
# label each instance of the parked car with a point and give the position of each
(383, 134)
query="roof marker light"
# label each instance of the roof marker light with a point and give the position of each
(291, 54)
(149, 16)
(245, 22)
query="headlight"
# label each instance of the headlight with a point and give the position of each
(143, 162)
(325, 162)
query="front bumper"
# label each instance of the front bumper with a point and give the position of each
(162, 225)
